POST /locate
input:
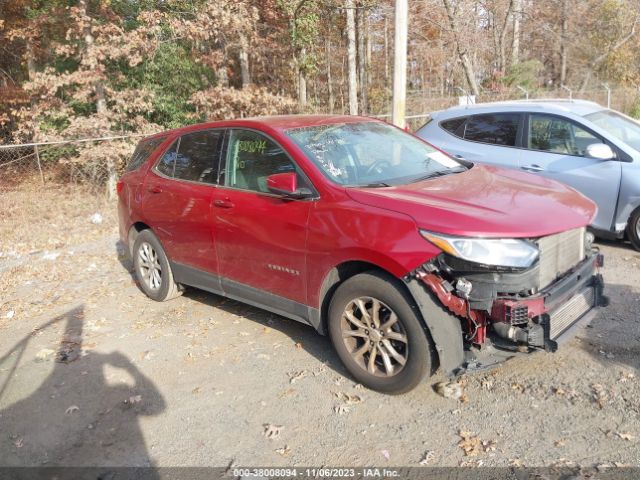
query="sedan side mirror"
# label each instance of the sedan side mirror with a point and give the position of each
(599, 151)
(286, 184)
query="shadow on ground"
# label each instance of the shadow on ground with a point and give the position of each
(303, 335)
(77, 416)
(614, 335)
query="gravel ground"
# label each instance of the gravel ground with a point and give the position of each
(94, 373)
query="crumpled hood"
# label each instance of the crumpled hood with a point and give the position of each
(485, 201)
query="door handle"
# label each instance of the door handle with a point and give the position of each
(223, 203)
(459, 157)
(154, 189)
(532, 168)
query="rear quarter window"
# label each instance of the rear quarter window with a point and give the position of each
(492, 128)
(143, 151)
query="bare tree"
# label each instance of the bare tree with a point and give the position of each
(452, 13)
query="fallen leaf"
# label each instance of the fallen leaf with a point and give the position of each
(428, 457)
(342, 409)
(284, 451)
(272, 431)
(298, 345)
(44, 354)
(625, 436)
(348, 398)
(451, 390)
(295, 376)
(19, 442)
(72, 409)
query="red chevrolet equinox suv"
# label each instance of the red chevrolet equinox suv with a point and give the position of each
(405, 257)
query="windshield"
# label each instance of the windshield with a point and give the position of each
(371, 154)
(620, 126)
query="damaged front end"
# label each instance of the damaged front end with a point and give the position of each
(508, 311)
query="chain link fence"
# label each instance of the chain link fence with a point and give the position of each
(92, 162)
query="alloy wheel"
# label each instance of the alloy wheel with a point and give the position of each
(149, 266)
(374, 336)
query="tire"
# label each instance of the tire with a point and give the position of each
(148, 255)
(633, 229)
(350, 337)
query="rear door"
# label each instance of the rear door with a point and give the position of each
(178, 194)
(261, 237)
(556, 149)
(487, 138)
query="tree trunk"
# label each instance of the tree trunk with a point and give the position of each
(386, 52)
(515, 43)
(351, 58)
(31, 62)
(243, 57)
(302, 80)
(563, 42)
(331, 100)
(98, 88)
(462, 53)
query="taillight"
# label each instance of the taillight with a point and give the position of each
(119, 186)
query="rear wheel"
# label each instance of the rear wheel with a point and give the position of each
(152, 268)
(633, 229)
(375, 330)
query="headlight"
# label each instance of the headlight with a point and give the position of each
(507, 252)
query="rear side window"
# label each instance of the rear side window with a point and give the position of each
(194, 157)
(144, 149)
(454, 125)
(497, 129)
(198, 156)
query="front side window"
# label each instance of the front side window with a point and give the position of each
(494, 128)
(251, 158)
(370, 154)
(553, 134)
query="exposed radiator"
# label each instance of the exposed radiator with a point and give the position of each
(567, 314)
(559, 253)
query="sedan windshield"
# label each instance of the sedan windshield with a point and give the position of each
(371, 154)
(620, 126)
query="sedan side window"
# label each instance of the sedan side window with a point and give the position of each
(251, 158)
(553, 134)
(493, 128)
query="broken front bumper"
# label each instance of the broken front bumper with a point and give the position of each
(499, 326)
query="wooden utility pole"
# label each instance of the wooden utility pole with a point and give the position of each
(400, 63)
(351, 58)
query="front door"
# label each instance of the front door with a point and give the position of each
(261, 237)
(556, 149)
(178, 194)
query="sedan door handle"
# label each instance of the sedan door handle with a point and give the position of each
(226, 203)
(532, 168)
(154, 189)
(459, 157)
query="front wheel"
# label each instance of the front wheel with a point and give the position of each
(633, 229)
(375, 330)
